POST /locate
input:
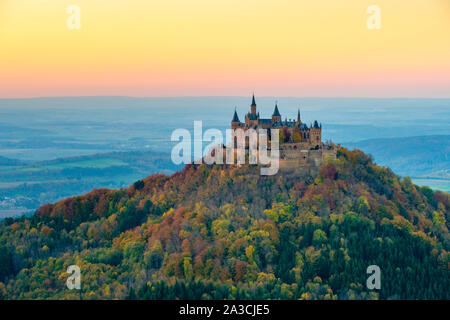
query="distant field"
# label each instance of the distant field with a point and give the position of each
(27, 185)
(12, 212)
(436, 184)
(95, 163)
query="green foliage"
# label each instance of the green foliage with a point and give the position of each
(109, 256)
(138, 185)
(6, 263)
(383, 212)
(133, 251)
(154, 257)
(319, 237)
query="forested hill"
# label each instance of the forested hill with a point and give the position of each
(225, 232)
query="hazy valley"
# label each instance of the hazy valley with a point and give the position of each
(51, 148)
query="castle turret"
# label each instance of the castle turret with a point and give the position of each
(235, 123)
(253, 106)
(251, 118)
(276, 116)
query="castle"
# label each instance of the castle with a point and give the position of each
(300, 144)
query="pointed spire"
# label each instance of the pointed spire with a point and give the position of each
(235, 116)
(298, 116)
(253, 100)
(276, 113)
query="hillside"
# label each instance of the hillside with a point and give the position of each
(228, 233)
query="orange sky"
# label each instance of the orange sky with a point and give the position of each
(225, 47)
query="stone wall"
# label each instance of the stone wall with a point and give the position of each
(294, 155)
(292, 158)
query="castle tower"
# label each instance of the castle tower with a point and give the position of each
(276, 116)
(253, 106)
(299, 121)
(235, 123)
(316, 134)
(252, 118)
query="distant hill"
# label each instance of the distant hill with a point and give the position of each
(226, 232)
(11, 162)
(422, 156)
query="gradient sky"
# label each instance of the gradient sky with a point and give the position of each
(298, 48)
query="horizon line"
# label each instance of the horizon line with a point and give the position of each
(221, 96)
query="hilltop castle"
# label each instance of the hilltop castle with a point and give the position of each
(300, 144)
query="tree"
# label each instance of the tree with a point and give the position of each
(154, 257)
(138, 185)
(187, 268)
(6, 263)
(319, 237)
